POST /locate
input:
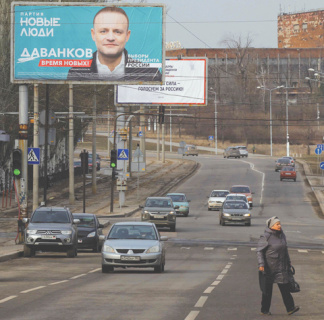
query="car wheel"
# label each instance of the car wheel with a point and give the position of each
(209, 209)
(251, 205)
(173, 228)
(29, 252)
(248, 224)
(295, 179)
(107, 269)
(222, 223)
(186, 215)
(280, 179)
(72, 252)
(96, 248)
(160, 268)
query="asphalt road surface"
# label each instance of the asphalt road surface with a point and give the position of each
(211, 270)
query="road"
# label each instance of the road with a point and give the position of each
(211, 271)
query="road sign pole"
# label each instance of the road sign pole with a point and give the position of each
(36, 145)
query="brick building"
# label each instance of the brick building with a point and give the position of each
(301, 30)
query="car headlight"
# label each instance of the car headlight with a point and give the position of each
(91, 234)
(31, 231)
(172, 212)
(226, 214)
(146, 212)
(247, 215)
(107, 248)
(66, 231)
(154, 249)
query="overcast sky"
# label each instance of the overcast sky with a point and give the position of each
(206, 23)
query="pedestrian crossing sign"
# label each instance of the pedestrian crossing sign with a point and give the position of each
(33, 156)
(122, 154)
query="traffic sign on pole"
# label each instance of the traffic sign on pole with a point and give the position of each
(318, 151)
(322, 165)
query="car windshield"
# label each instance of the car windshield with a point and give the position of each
(243, 198)
(85, 221)
(41, 216)
(235, 205)
(177, 198)
(240, 190)
(132, 232)
(220, 194)
(284, 161)
(164, 203)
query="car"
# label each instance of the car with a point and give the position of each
(190, 150)
(89, 231)
(288, 173)
(133, 245)
(237, 196)
(161, 211)
(243, 189)
(51, 229)
(283, 162)
(235, 211)
(231, 152)
(98, 162)
(243, 151)
(216, 199)
(292, 160)
(77, 167)
(180, 199)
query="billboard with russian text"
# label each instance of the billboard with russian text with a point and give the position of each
(87, 43)
(185, 84)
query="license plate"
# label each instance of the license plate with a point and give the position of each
(156, 216)
(236, 218)
(79, 240)
(48, 237)
(130, 258)
(288, 174)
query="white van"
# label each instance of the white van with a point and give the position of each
(190, 150)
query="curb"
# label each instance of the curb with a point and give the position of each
(10, 256)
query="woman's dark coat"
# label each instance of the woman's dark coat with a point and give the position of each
(272, 253)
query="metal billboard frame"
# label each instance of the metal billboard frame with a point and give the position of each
(169, 104)
(81, 4)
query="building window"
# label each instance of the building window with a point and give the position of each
(304, 26)
(296, 28)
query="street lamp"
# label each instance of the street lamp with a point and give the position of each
(270, 90)
(214, 92)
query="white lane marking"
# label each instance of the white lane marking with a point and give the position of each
(253, 249)
(33, 289)
(215, 283)
(192, 315)
(263, 176)
(228, 266)
(220, 277)
(186, 248)
(224, 271)
(201, 301)
(78, 276)
(232, 258)
(54, 283)
(7, 299)
(232, 249)
(234, 255)
(209, 289)
(208, 248)
(322, 251)
(302, 251)
(95, 270)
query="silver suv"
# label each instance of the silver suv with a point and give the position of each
(161, 211)
(233, 152)
(51, 229)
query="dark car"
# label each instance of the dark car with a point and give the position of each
(89, 230)
(235, 212)
(283, 162)
(288, 173)
(98, 162)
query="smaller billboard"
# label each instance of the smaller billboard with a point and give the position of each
(185, 84)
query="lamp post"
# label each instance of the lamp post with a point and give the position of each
(214, 92)
(270, 90)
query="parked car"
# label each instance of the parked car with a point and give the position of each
(77, 167)
(98, 161)
(243, 189)
(243, 151)
(235, 211)
(216, 199)
(288, 173)
(180, 200)
(190, 150)
(237, 196)
(89, 231)
(282, 162)
(161, 211)
(233, 152)
(133, 245)
(51, 229)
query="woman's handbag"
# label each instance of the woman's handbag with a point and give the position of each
(293, 285)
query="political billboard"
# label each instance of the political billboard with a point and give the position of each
(68, 42)
(185, 84)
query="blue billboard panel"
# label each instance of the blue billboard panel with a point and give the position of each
(55, 42)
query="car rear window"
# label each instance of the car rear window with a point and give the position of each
(284, 161)
(240, 190)
(41, 216)
(288, 169)
(177, 198)
(220, 194)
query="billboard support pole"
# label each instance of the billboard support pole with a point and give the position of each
(94, 147)
(142, 138)
(158, 140)
(46, 145)
(170, 131)
(163, 142)
(36, 145)
(71, 147)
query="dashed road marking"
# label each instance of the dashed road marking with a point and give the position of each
(228, 266)
(253, 249)
(54, 283)
(232, 249)
(209, 289)
(209, 248)
(220, 277)
(192, 315)
(186, 248)
(7, 299)
(33, 289)
(215, 283)
(78, 276)
(302, 251)
(224, 271)
(201, 301)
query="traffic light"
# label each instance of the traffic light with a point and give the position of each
(84, 161)
(113, 158)
(161, 114)
(16, 163)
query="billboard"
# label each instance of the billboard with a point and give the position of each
(185, 84)
(70, 42)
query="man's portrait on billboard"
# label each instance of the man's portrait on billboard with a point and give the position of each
(110, 61)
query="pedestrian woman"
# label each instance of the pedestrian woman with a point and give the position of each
(274, 263)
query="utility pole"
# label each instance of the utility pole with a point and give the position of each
(46, 144)
(94, 148)
(36, 145)
(71, 147)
